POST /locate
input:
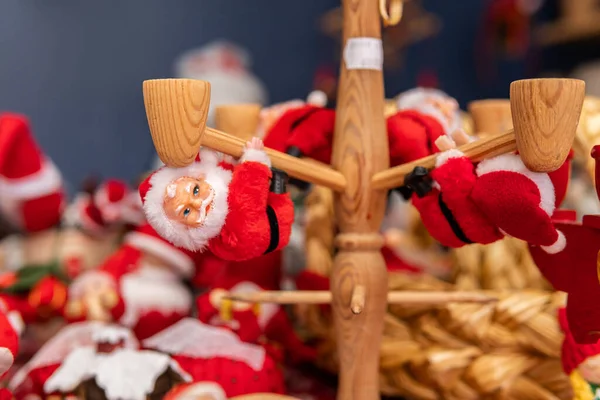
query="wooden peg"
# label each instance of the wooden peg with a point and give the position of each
(490, 116)
(545, 115)
(240, 120)
(357, 303)
(324, 297)
(177, 110)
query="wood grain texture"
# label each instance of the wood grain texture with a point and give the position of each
(304, 169)
(360, 150)
(394, 297)
(490, 116)
(240, 120)
(545, 116)
(490, 146)
(176, 110)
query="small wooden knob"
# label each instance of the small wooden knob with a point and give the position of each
(545, 116)
(177, 110)
(491, 116)
(240, 120)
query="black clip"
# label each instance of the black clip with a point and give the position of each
(418, 181)
(279, 181)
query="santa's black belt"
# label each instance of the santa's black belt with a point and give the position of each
(452, 221)
(278, 186)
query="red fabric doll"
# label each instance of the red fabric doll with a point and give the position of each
(251, 322)
(217, 360)
(31, 187)
(233, 211)
(574, 270)
(140, 286)
(11, 326)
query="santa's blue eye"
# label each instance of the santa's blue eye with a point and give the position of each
(186, 212)
(196, 190)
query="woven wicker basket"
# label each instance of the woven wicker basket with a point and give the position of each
(506, 350)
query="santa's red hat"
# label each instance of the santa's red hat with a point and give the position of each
(118, 203)
(418, 99)
(154, 189)
(573, 353)
(31, 187)
(148, 241)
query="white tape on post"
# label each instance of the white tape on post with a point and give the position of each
(364, 53)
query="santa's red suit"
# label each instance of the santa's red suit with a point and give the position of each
(481, 204)
(11, 326)
(151, 292)
(307, 130)
(217, 360)
(31, 187)
(253, 322)
(246, 219)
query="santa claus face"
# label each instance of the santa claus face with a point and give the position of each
(590, 369)
(189, 201)
(447, 106)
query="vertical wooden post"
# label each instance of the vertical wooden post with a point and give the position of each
(360, 149)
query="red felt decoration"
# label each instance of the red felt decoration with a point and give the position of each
(238, 226)
(31, 187)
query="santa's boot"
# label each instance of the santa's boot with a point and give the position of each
(520, 202)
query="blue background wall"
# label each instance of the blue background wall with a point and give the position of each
(75, 67)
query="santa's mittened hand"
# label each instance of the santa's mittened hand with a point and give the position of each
(444, 143)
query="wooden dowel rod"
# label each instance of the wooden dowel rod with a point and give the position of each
(306, 170)
(476, 151)
(395, 297)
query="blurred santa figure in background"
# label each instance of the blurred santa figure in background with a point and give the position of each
(227, 67)
(32, 193)
(141, 285)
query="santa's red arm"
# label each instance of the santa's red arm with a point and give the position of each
(246, 231)
(249, 330)
(206, 311)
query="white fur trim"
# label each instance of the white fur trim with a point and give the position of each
(6, 359)
(208, 156)
(112, 334)
(557, 246)
(12, 250)
(267, 310)
(317, 98)
(79, 286)
(198, 389)
(46, 181)
(513, 163)
(190, 337)
(16, 321)
(193, 239)
(165, 251)
(259, 156)
(152, 289)
(443, 157)
(122, 374)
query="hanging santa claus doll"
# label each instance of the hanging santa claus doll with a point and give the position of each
(461, 203)
(237, 212)
(252, 322)
(141, 286)
(423, 116)
(31, 187)
(219, 363)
